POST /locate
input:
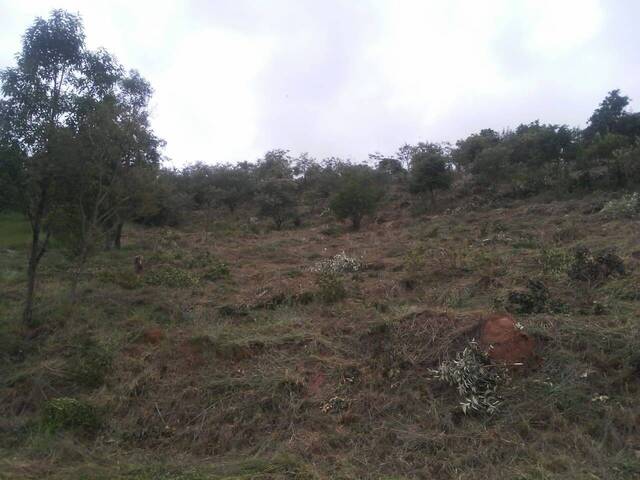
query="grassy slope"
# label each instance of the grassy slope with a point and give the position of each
(271, 387)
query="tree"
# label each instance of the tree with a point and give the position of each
(606, 117)
(12, 181)
(430, 171)
(200, 186)
(233, 185)
(38, 94)
(139, 149)
(468, 150)
(390, 166)
(358, 195)
(277, 200)
(80, 126)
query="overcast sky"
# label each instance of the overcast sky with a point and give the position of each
(236, 78)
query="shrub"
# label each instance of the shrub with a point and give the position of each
(215, 269)
(554, 261)
(415, 260)
(587, 267)
(126, 279)
(628, 206)
(358, 195)
(66, 413)
(89, 365)
(216, 272)
(475, 379)
(430, 171)
(535, 299)
(277, 200)
(168, 276)
(331, 287)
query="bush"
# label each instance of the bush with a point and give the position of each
(168, 276)
(216, 272)
(214, 268)
(535, 299)
(554, 261)
(358, 195)
(430, 171)
(628, 206)
(331, 287)
(277, 200)
(475, 379)
(70, 414)
(123, 278)
(587, 267)
(89, 365)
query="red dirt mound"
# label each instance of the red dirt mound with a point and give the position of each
(505, 342)
(152, 336)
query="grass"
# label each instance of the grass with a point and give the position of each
(237, 378)
(15, 229)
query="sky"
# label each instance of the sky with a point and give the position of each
(236, 78)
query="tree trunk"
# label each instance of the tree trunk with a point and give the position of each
(118, 235)
(78, 273)
(27, 314)
(35, 256)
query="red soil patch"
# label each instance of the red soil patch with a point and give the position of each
(506, 343)
(152, 336)
(315, 383)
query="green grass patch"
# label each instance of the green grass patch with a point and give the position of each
(15, 230)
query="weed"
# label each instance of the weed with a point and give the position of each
(628, 206)
(587, 267)
(66, 413)
(125, 279)
(216, 272)
(554, 261)
(89, 365)
(535, 299)
(330, 286)
(168, 276)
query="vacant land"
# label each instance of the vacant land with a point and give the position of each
(229, 358)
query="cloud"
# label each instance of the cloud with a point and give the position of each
(234, 79)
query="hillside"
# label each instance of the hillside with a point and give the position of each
(227, 358)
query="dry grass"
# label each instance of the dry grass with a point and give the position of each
(251, 376)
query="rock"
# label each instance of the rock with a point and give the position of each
(505, 342)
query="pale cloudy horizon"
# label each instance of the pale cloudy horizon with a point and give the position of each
(233, 79)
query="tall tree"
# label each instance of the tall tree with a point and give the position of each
(38, 94)
(80, 125)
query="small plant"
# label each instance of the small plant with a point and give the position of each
(340, 263)
(66, 413)
(628, 206)
(125, 279)
(535, 299)
(335, 405)
(89, 365)
(168, 276)
(475, 379)
(415, 260)
(215, 269)
(554, 261)
(331, 287)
